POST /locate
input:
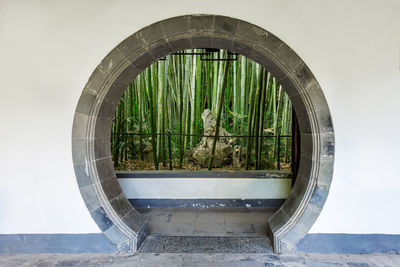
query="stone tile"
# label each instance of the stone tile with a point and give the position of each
(111, 187)
(209, 228)
(153, 244)
(235, 217)
(80, 126)
(159, 216)
(239, 228)
(200, 257)
(102, 219)
(210, 217)
(260, 217)
(121, 205)
(260, 228)
(180, 229)
(115, 235)
(184, 217)
(157, 227)
(242, 263)
(134, 220)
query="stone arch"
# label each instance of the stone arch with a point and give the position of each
(99, 187)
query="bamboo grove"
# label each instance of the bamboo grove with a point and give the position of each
(168, 98)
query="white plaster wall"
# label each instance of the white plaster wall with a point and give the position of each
(205, 188)
(48, 49)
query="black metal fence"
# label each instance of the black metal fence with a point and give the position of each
(122, 139)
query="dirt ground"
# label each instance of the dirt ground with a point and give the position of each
(137, 164)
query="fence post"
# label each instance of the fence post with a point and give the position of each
(279, 153)
(169, 149)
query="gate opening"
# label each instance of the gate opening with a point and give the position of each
(108, 205)
(167, 118)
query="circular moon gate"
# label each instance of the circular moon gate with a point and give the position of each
(100, 189)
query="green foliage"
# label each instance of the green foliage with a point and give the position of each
(172, 93)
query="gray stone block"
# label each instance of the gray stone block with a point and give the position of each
(278, 220)
(111, 61)
(287, 58)
(111, 187)
(95, 81)
(299, 190)
(132, 46)
(161, 50)
(82, 175)
(307, 145)
(301, 227)
(104, 168)
(141, 235)
(79, 151)
(317, 97)
(116, 236)
(200, 23)
(327, 145)
(102, 128)
(319, 197)
(152, 33)
(101, 219)
(174, 26)
(268, 63)
(291, 205)
(304, 122)
(79, 127)
(134, 220)
(325, 173)
(90, 197)
(257, 36)
(225, 25)
(142, 61)
(123, 79)
(305, 76)
(201, 42)
(121, 205)
(242, 48)
(85, 103)
(180, 43)
(298, 103)
(223, 43)
(107, 107)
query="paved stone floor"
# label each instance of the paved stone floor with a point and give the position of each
(199, 259)
(208, 222)
(203, 237)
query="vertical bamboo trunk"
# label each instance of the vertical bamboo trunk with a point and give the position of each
(217, 125)
(180, 86)
(215, 84)
(242, 94)
(198, 99)
(153, 127)
(257, 116)
(266, 79)
(250, 117)
(193, 99)
(276, 121)
(140, 98)
(186, 120)
(235, 99)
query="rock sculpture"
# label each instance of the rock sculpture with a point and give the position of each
(223, 149)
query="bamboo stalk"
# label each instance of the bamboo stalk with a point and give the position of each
(152, 118)
(266, 79)
(221, 103)
(250, 118)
